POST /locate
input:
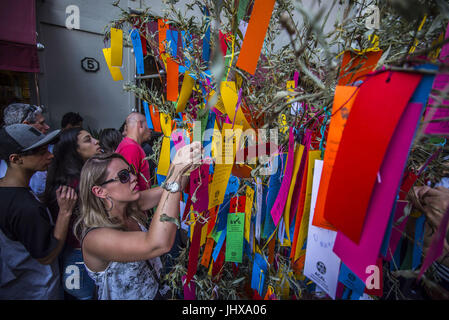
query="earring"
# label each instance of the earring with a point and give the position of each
(112, 204)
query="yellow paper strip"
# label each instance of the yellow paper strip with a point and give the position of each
(203, 234)
(223, 167)
(164, 157)
(186, 91)
(230, 98)
(116, 47)
(115, 71)
(248, 208)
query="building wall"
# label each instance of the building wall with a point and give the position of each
(63, 85)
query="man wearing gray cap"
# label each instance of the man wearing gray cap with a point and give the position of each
(31, 115)
(29, 240)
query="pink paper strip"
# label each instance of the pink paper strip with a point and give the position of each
(358, 257)
(177, 137)
(279, 204)
(396, 232)
(189, 290)
(440, 83)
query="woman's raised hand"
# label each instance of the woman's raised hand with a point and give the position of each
(189, 156)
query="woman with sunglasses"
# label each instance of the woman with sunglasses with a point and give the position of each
(74, 147)
(119, 251)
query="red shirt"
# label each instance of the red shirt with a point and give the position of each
(134, 154)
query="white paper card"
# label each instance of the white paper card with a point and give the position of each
(322, 265)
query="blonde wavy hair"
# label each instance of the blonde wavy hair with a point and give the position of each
(93, 212)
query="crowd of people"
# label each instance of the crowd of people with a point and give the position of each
(80, 218)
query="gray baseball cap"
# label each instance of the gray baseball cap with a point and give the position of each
(18, 138)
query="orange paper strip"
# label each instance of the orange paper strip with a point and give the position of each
(162, 30)
(365, 65)
(255, 35)
(172, 80)
(205, 260)
(155, 118)
(343, 96)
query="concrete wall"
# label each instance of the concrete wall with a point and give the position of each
(64, 85)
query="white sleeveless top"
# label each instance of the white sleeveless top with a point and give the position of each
(136, 280)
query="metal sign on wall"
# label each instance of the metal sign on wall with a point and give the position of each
(90, 64)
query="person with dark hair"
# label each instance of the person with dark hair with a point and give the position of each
(71, 120)
(110, 138)
(122, 129)
(31, 115)
(26, 114)
(30, 241)
(74, 147)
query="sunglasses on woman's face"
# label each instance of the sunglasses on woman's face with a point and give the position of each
(123, 175)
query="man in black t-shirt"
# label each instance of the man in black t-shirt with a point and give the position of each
(29, 240)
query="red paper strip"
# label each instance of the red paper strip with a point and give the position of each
(370, 126)
(271, 246)
(144, 45)
(216, 268)
(212, 219)
(223, 45)
(201, 191)
(302, 192)
(187, 208)
(194, 252)
(255, 35)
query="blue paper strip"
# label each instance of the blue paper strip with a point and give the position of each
(207, 139)
(387, 236)
(419, 242)
(138, 53)
(356, 295)
(395, 262)
(160, 178)
(346, 293)
(147, 114)
(260, 268)
(222, 217)
(233, 185)
(219, 245)
(273, 193)
(350, 280)
(172, 39)
(422, 91)
(206, 39)
(187, 45)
